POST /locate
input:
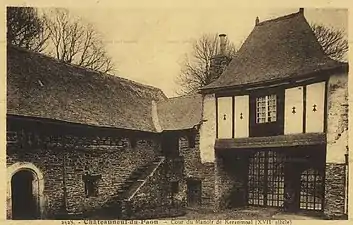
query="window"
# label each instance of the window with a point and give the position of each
(91, 185)
(191, 139)
(266, 109)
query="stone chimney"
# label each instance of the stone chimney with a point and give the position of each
(257, 21)
(222, 44)
(220, 61)
(301, 10)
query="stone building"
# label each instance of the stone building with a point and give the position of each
(270, 131)
(81, 143)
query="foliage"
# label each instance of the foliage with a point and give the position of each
(333, 41)
(196, 66)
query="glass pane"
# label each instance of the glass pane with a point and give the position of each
(266, 109)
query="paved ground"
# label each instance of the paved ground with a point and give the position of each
(244, 214)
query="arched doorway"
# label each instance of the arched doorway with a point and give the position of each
(24, 204)
(25, 187)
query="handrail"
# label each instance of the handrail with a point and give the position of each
(145, 180)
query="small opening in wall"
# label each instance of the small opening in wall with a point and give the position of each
(133, 142)
(175, 187)
(91, 185)
(191, 139)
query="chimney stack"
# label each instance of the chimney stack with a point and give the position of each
(257, 21)
(301, 10)
(222, 43)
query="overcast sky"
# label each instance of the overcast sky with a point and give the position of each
(147, 45)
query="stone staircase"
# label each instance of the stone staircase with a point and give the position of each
(114, 208)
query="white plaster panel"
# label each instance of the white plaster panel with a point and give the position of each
(293, 110)
(241, 116)
(315, 98)
(225, 117)
(208, 129)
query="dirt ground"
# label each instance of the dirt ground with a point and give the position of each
(246, 213)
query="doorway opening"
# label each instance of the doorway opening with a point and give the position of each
(194, 192)
(25, 192)
(266, 179)
(24, 202)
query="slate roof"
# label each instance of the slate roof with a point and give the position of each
(40, 86)
(180, 113)
(278, 49)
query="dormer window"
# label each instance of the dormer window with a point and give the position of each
(266, 109)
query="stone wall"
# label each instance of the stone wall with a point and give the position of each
(112, 163)
(334, 190)
(153, 199)
(230, 180)
(337, 145)
(113, 166)
(195, 169)
(337, 118)
(49, 162)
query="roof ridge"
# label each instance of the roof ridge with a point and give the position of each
(288, 16)
(85, 68)
(185, 95)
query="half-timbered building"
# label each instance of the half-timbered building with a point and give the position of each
(279, 114)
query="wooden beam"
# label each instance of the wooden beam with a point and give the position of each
(272, 141)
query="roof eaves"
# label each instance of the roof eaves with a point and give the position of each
(343, 65)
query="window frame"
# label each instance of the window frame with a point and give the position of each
(272, 128)
(266, 100)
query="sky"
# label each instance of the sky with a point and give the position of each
(148, 44)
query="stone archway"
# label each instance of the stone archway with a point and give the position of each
(22, 173)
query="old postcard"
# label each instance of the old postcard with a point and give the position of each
(188, 114)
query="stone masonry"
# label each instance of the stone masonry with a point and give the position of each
(113, 165)
(195, 169)
(334, 190)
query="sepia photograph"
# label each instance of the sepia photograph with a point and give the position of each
(176, 114)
